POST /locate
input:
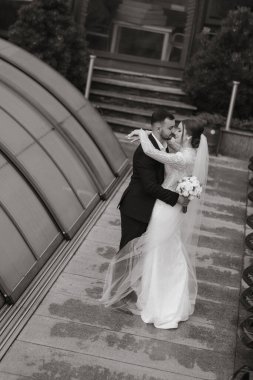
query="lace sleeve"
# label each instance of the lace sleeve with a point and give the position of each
(176, 160)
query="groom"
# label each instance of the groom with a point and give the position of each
(138, 200)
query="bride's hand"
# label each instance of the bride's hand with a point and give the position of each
(134, 135)
(173, 144)
(183, 201)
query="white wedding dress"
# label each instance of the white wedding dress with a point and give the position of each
(158, 266)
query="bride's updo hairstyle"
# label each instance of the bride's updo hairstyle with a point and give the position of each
(194, 128)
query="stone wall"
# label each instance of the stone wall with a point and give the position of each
(236, 144)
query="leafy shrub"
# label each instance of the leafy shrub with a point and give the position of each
(228, 56)
(46, 29)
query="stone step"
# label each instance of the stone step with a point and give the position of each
(140, 67)
(139, 77)
(131, 113)
(137, 73)
(120, 98)
(126, 99)
(123, 125)
(139, 92)
(139, 86)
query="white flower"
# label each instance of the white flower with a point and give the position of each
(189, 187)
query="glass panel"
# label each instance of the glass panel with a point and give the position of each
(23, 112)
(2, 161)
(147, 29)
(33, 90)
(91, 151)
(140, 43)
(99, 39)
(13, 135)
(17, 140)
(71, 166)
(3, 44)
(38, 126)
(102, 134)
(98, 23)
(44, 74)
(26, 210)
(16, 258)
(53, 185)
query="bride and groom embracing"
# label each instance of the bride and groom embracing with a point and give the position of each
(153, 274)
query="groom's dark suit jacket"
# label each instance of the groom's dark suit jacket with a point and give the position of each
(145, 187)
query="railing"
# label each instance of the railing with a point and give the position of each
(232, 104)
(89, 76)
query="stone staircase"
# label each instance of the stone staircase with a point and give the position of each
(127, 99)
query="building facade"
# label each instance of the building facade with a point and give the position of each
(161, 32)
(158, 32)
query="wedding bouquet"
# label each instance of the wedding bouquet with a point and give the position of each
(189, 187)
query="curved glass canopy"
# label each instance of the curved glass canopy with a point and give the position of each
(58, 159)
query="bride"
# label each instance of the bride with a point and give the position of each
(159, 266)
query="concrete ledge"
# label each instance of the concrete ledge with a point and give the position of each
(237, 144)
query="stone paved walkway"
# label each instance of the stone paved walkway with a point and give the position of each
(71, 336)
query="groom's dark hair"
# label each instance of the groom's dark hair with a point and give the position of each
(160, 115)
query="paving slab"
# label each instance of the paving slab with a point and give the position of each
(72, 336)
(126, 348)
(37, 362)
(104, 235)
(10, 376)
(218, 314)
(211, 265)
(90, 289)
(87, 310)
(93, 260)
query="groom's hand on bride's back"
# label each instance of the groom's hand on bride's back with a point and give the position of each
(183, 201)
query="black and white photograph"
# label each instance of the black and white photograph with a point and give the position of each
(126, 189)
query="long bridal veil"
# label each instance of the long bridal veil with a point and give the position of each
(192, 222)
(124, 273)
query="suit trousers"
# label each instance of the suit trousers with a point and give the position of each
(130, 229)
